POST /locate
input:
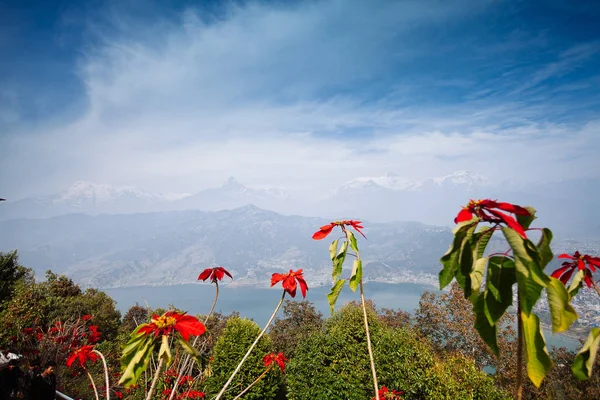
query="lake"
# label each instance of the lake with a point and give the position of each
(259, 303)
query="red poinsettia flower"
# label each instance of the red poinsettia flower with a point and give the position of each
(385, 394)
(215, 274)
(83, 355)
(191, 394)
(94, 335)
(580, 262)
(278, 358)
(87, 317)
(289, 282)
(487, 210)
(325, 230)
(185, 324)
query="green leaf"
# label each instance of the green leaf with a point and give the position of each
(165, 352)
(531, 279)
(333, 249)
(135, 358)
(352, 240)
(463, 273)
(476, 277)
(188, 348)
(451, 260)
(356, 276)
(526, 220)
(481, 239)
(543, 248)
(487, 330)
(338, 262)
(576, 283)
(335, 293)
(562, 313)
(498, 294)
(536, 354)
(585, 358)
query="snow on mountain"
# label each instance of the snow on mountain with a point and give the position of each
(232, 194)
(462, 178)
(395, 182)
(87, 191)
(88, 198)
(389, 181)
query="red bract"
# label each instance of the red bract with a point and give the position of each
(94, 335)
(191, 394)
(186, 325)
(215, 274)
(83, 355)
(585, 263)
(487, 210)
(385, 394)
(289, 282)
(87, 317)
(325, 230)
(278, 358)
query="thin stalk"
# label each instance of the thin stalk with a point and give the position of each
(186, 361)
(519, 350)
(155, 379)
(105, 373)
(93, 384)
(250, 349)
(371, 358)
(252, 384)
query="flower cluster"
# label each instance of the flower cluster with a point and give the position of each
(489, 211)
(289, 282)
(386, 394)
(214, 274)
(325, 230)
(579, 262)
(279, 359)
(160, 325)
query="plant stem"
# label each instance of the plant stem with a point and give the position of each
(105, 374)
(252, 384)
(364, 307)
(155, 379)
(250, 349)
(186, 361)
(519, 350)
(93, 384)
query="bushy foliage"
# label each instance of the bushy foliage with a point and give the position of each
(229, 349)
(300, 320)
(333, 363)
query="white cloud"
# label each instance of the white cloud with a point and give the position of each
(278, 96)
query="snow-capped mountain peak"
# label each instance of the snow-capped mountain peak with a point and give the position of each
(462, 177)
(396, 182)
(81, 191)
(388, 180)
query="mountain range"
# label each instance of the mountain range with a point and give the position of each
(567, 207)
(163, 248)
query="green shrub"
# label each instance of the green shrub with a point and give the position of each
(334, 364)
(237, 337)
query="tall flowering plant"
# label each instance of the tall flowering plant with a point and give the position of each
(521, 265)
(586, 266)
(337, 254)
(138, 351)
(290, 283)
(215, 275)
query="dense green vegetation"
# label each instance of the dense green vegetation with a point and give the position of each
(434, 353)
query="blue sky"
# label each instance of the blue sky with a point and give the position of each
(176, 96)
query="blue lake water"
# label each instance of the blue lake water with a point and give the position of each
(259, 303)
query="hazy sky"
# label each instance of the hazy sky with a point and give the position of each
(177, 96)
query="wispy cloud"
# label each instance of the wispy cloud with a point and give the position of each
(307, 96)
